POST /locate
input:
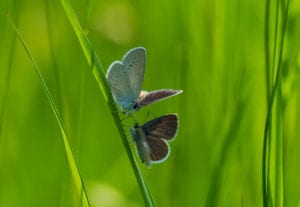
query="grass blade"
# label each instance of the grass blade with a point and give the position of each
(72, 162)
(274, 97)
(98, 72)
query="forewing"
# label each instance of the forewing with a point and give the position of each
(146, 98)
(119, 81)
(164, 127)
(159, 149)
(134, 63)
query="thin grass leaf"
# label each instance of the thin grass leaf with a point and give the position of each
(98, 72)
(72, 162)
(279, 149)
(274, 96)
(269, 78)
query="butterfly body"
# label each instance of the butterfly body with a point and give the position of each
(142, 146)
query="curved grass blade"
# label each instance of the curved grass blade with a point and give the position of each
(98, 72)
(71, 160)
(274, 96)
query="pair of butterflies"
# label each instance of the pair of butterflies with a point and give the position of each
(125, 79)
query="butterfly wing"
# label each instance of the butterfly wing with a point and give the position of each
(146, 98)
(134, 63)
(119, 82)
(125, 78)
(164, 127)
(159, 149)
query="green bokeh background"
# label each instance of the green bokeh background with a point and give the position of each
(213, 50)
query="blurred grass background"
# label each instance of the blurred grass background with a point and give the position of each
(213, 50)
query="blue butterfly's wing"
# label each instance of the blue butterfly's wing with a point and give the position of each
(126, 78)
(134, 62)
(119, 83)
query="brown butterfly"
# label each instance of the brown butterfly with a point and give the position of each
(151, 138)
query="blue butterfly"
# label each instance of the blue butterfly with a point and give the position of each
(125, 79)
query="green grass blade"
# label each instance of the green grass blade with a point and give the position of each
(267, 47)
(279, 127)
(72, 162)
(267, 140)
(276, 115)
(99, 75)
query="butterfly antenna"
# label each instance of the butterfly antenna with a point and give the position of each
(132, 115)
(148, 114)
(146, 117)
(126, 117)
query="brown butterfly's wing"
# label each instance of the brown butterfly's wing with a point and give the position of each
(146, 98)
(164, 127)
(159, 149)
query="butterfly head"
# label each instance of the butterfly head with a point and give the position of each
(136, 107)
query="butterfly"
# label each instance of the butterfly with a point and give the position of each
(151, 138)
(125, 79)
